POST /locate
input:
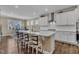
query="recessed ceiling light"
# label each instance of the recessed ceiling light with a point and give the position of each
(34, 13)
(16, 6)
(46, 9)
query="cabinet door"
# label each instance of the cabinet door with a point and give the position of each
(58, 36)
(43, 21)
(64, 36)
(60, 19)
(61, 36)
(57, 18)
(71, 37)
(71, 18)
(66, 18)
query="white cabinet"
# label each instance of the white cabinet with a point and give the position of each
(58, 19)
(43, 21)
(78, 13)
(69, 37)
(66, 18)
(61, 19)
(66, 33)
(61, 36)
(71, 17)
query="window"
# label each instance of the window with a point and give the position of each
(28, 23)
(14, 24)
(36, 22)
(32, 22)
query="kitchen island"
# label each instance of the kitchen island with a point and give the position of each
(48, 39)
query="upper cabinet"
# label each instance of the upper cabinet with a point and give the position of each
(71, 17)
(78, 13)
(43, 20)
(60, 19)
(66, 18)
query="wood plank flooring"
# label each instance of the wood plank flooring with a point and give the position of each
(3, 45)
(65, 48)
(60, 47)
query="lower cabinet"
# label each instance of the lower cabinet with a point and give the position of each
(66, 36)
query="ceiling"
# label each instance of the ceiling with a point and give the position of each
(30, 11)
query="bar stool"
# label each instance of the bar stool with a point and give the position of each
(35, 44)
(26, 40)
(22, 41)
(18, 40)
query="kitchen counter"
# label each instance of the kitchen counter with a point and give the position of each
(41, 33)
(48, 39)
(66, 30)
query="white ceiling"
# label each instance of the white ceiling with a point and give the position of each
(29, 11)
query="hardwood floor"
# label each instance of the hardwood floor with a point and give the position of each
(3, 45)
(9, 46)
(65, 48)
(62, 48)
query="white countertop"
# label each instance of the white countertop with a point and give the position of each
(41, 33)
(67, 30)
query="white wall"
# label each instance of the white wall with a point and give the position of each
(4, 25)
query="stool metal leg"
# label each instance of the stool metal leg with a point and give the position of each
(20, 48)
(32, 50)
(28, 49)
(36, 50)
